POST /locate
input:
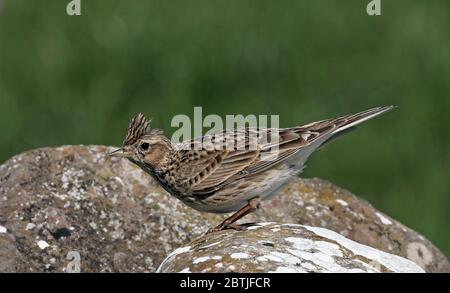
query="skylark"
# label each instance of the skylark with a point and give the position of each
(236, 176)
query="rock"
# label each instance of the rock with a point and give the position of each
(319, 203)
(282, 248)
(10, 257)
(75, 200)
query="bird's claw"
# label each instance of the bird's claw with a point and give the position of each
(222, 227)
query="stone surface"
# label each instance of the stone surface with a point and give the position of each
(55, 202)
(282, 248)
(319, 203)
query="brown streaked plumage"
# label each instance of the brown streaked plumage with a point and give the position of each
(235, 169)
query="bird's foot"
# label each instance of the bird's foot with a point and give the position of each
(222, 227)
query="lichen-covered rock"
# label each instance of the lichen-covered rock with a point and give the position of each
(74, 200)
(319, 203)
(273, 247)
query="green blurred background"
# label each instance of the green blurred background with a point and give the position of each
(78, 80)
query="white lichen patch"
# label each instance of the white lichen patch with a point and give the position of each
(205, 270)
(71, 180)
(185, 270)
(383, 219)
(259, 225)
(309, 266)
(42, 244)
(342, 202)
(210, 245)
(239, 255)
(150, 198)
(305, 247)
(2, 229)
(200, 259)
(30, 226)
(172, 255)
(419, 253)
(269, 257)
(288, 270)
(265, 223)
(286, 257)
(254, 227)
(392, 262)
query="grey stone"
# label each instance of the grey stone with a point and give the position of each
(282, 248)
(57, 201)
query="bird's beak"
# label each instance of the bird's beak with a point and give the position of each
(120, 153)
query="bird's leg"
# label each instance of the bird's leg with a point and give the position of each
(228, 223)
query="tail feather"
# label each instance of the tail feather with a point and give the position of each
(348, 123)
(352, 120)
(326, 131)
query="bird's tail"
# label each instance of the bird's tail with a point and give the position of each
(322, 132)
(342, 125)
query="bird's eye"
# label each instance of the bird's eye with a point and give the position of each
(145, 146)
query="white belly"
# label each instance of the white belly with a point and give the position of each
(266, 184)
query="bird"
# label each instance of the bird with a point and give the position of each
(235, 169)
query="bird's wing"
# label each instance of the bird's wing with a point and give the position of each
(307, 138)
(212, 166)
(205, 163)
(244, 153)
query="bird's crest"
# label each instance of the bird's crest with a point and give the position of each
(138, 127)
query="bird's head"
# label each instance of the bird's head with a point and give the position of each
(143, 145)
